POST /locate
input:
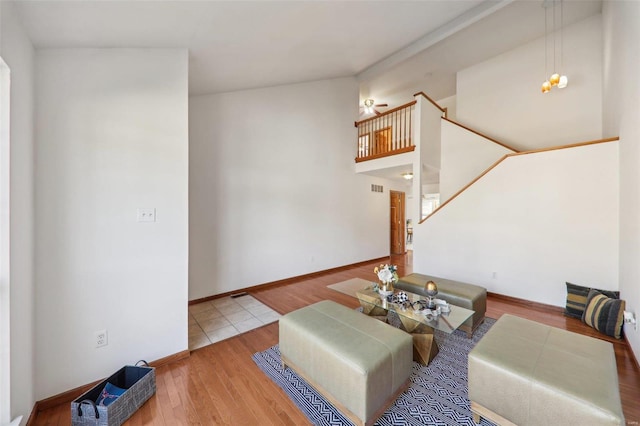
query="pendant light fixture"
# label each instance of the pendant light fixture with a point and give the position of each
(556, 79)
(564, 80)
(546, 85)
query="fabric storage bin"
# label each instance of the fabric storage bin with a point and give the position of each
(139, 383)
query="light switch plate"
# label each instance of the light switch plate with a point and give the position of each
(146, 215)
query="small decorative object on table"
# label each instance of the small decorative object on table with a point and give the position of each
(431, 289)
(429, 314)
(402, 298)
(388, 275)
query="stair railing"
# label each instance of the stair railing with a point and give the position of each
(387, 133)
(515, 154)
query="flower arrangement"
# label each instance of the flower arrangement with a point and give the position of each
(387, 274)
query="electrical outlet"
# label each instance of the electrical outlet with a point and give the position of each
(146, 215)
(101, 338)
(630, 318)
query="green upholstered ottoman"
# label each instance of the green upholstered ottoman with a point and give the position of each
(457, 293)
(527, 373)
(358, 363)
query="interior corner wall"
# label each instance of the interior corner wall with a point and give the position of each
(429, 134)
(465, 155)
(111, 138)
(501, 97)
(529, 225)
(450, 104)
(17, 51)
(273, 188)
(621, 117)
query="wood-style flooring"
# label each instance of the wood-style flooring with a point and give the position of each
(220, 384)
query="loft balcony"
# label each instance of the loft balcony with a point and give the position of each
(386, 134)
(400, 141)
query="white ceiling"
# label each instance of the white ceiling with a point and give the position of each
(236, 45)
(394, 47)
(433, 70)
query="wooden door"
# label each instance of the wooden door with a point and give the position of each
(383, 140)
(397, 222)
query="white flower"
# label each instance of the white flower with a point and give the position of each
(385, 275)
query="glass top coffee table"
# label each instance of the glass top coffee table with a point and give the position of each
(414, 320)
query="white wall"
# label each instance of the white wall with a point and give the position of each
(427, 134)
(501, 97)
(5, 257)
(535, 220)
(273, 188)
(18, 53)
(450, 103)
(391, 161)
(464, 156)
(621, 107)
(428, 146)
(112, 137)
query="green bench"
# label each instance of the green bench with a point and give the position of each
(526, 373)
(358, 363)
(457, 293)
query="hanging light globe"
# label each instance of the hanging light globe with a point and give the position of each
(546, 86)
(562, 83)
(555, 78)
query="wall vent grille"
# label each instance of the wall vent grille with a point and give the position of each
(377, 188)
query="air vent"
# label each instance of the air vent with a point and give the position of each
(377, 188)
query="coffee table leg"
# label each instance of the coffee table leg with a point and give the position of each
(372, 310)
(370, 307)
(425, 348)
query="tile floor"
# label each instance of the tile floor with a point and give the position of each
(219, 319)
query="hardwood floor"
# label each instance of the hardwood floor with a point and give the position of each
(220, 384)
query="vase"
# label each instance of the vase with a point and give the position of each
(386, 289)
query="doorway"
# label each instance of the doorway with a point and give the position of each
(397, 215)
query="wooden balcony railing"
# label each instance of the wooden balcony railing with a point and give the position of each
(386, 134)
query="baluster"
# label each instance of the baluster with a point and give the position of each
(365, 149)
(399, 124)
(360, 147)
(373, 137)
(407, 124)
(370, 131)
(407, 111)
(402, 133)
(383, 124)
(394, 130)
(372, 145)
(410, 129)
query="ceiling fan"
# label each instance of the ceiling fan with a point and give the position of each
(369, 107)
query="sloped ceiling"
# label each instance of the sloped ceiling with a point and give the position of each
(236, 45)
(433, 70)
(394, 47)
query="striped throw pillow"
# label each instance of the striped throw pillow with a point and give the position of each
(577, 299)
(604, 314)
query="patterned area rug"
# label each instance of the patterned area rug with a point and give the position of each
(437, 394)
